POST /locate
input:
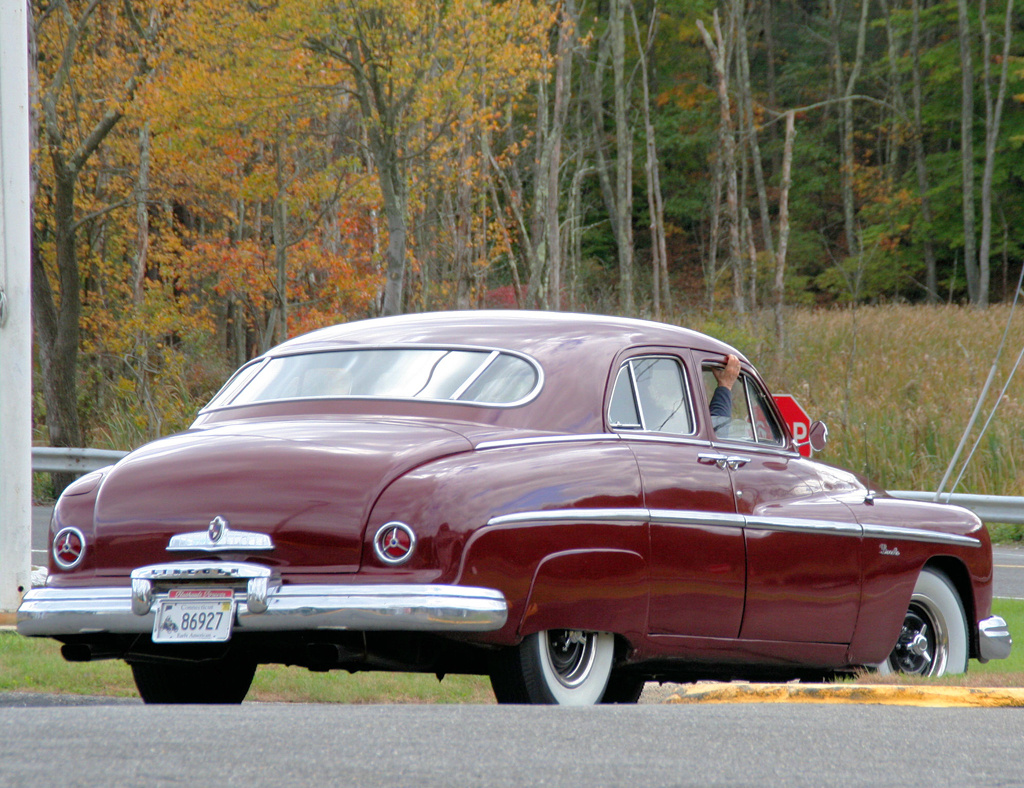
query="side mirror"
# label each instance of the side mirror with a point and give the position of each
(817, 436)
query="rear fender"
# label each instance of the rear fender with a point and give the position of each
(604, 590)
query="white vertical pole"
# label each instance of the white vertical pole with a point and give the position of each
(15, 311)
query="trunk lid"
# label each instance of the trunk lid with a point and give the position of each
(307, 484)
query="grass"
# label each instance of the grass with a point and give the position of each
(35, 665)
(896, 385)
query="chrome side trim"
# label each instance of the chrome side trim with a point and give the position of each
(798, 525)
(49, 612)
(725, 519)
(573, 516)
(544, 439)
(876, 531)
(674, 517)
(994, 641)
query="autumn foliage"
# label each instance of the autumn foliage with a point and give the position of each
(212, 177)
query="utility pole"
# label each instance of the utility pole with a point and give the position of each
(15, 312)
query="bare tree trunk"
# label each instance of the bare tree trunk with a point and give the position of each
(719, 58)
(931, 269)
(967, 153)
(846, 92)
(749, 128)
(655, 205)
(141, 216)
(899, 118)
(711, 266)
(993, 118)
(780, 256)
(560, 111)
(624, 159)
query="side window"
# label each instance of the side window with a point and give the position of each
(766, 428)
(743, 414)
(651, 394)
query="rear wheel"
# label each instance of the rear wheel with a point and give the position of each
(569, 667)
(211, 681)
(933, 640)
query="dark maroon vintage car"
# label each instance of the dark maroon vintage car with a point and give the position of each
(542, 498)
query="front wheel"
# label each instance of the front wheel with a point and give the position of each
(569, 667)
(211, 681)
(933, 640)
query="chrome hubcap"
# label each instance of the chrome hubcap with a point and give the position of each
(921, 646)
(571, 652)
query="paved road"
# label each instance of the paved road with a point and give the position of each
(1009, 571)
(495, 747)
(1009, 561)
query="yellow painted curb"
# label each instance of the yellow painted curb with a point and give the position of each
(986, 697)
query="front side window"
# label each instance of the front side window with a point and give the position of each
(487, 377)
(742, 414)
(651, 394)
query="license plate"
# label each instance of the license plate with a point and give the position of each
(195, 615)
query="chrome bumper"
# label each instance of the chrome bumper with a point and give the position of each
(994, 641)
(261, 606)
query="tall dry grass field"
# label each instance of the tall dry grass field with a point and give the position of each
(897, 385)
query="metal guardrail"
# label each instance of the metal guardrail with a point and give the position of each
(53, 459)
(1007, 509)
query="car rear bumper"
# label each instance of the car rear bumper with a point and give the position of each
(994, 641)
(262, 606)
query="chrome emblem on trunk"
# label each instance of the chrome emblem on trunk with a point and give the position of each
(218, 527)
(218, 536)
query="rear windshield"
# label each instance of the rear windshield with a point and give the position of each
(483, 377)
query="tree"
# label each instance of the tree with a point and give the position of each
(412, 68)
(101, 53)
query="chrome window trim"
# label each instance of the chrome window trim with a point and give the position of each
(643, 431)
(662, 437)
(696, 518)
(494, 351)
(764, 449)
(636, 394)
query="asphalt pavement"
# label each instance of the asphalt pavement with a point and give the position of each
(314, 745)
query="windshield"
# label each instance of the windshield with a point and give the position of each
(485, 377)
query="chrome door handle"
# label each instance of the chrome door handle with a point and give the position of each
(735, 462)
(713, 459)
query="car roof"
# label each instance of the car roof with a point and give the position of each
(533, 332)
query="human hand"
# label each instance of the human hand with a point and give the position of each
(727, 375)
